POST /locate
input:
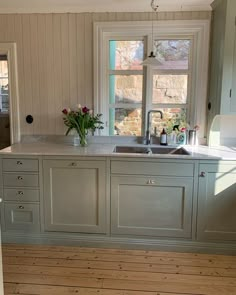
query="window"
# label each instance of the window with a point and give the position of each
(171, 83)
(125, 87)
(125, 90)
(4, 93)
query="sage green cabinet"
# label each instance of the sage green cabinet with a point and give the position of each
(217, 202)
(21, 194)
(222, 89)
(75, 195)
(157, 204)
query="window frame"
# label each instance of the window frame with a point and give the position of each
(124, 73)
(4, 95)
(196, 30)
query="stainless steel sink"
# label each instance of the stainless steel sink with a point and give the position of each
(132, 150)
(150, 150)
(169, 151)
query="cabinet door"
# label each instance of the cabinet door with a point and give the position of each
(217, 202)
(156, 206)
(74, 196)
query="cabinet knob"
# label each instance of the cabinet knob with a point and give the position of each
(150, 181)
(73, 164)
(21, 207)
(20, 193)
(19, 163)
(20, 178)
(202, 174)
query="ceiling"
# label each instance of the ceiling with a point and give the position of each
(34, 6)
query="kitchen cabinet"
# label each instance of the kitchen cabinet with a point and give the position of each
(222, 87)
(75, 195)
(1, 270)
(217, 202)
(148, 200)
(20, 179)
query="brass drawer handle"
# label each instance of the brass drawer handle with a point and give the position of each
(150, 181)
(20, 193)
(20, 178)
(21, 207)
(19, 163)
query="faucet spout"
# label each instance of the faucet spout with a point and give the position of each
(148, 133)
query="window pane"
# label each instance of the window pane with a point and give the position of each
(126, 55)
(170, 89)
(4, 101)
(3, 68)
(125, 121)
(125, 89)
(173, 54)
(171, 118)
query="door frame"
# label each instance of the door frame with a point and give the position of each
(9, 49)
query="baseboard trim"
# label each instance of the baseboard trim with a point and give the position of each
(119, 242)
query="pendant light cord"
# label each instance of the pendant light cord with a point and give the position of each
(154, 9)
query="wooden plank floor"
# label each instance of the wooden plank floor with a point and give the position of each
(55, 270)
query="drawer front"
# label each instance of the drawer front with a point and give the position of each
(12, 165)
(20, 180)
(27, 195)
(148, 168)
(23, 217)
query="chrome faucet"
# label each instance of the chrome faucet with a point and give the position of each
(148, 133)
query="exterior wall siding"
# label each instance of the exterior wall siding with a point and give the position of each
(55, 61)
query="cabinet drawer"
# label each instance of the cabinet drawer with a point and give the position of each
(20, 165)
(27, 195)
(20, 180)
(148, 168)
(23, 217)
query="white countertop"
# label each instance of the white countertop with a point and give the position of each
(100, 149)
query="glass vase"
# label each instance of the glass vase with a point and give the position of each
(83, 140)
(80, 140)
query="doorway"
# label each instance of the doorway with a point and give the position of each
(4, 103)
(9, 95)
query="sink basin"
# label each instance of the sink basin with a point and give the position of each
(169, 151)
(132, 149)
(150, 150)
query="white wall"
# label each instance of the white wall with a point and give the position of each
(55, 61)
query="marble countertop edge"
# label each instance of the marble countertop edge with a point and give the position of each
(107, 150)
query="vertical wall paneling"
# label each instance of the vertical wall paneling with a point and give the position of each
(73, 86)
(34, 47)
(88, 56)
(27, 99)
(80, 40)
(55, 61)
(57, 66)
(49, 72)
(10, 28)
(42, 53)
(20, 66)
(3, 27)
(65, 61)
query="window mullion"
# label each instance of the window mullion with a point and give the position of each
(147, 101)
(125, 72)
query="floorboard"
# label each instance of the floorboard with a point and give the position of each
(56, 270)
